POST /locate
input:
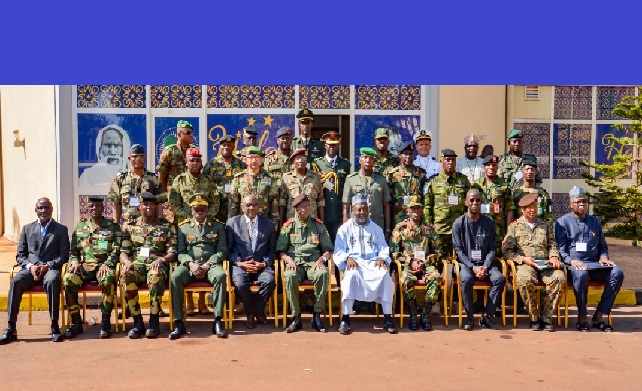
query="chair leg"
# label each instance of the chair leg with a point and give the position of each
(514, 305)
(275, 299)
(401, 314)
(330, 305)
(84, 306)
(30, 309)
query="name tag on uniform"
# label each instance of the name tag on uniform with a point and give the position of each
(420, 255)
(476, 255)
(485, 208)
(102, 244)
(144, 251)
(518, 175)
(227, 187)
(134, 201)
(328, 184)
(580, 247)
(453, 200)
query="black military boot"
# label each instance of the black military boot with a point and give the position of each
(139, 328)
(317, 324)
(75, 327)
(179, 329)
(425, 322)
(105, 326)
(389, 325)
(296, 324)
(414, 322)
(154, 327)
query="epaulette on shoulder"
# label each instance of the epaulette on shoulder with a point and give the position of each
(183, 222)
(318, 220)
(288, 223)
(219, 221)
(239, 174)
(169, 146)
(272, 152)
(353, 174)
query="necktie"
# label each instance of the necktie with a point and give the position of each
(250, 232)
(200, 229)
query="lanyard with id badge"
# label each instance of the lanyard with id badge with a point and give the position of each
(581, 246)
(476, 253)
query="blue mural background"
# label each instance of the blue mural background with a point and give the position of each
(365, 125)
(604, 149)
(266, 125)
(135, 125)
(166, 126)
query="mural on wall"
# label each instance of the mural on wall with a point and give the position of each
(364, 127)
(103, 145)
(266, 125)
(165, 134)
(605, 149)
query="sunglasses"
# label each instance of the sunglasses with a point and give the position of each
(138, 156)
(472, 146)
(249, 204)
(188, 132)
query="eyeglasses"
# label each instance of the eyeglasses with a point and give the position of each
(580, 202)
(475, 200)
(138, 156)
(249, 204)
(188, 132)
(43, 207)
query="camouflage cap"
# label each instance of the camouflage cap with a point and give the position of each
(184, 124)
(284, 131)
(136, 149)
(528, 199)
(198, 199)
(490, 159)
(305, 114)
(252, 150)
(382, 132)
(367, 151)
(302, 197)
(515, 133)
(414, 201)
(96, 199)
(146, 197)
(331, 138)
(193, 152)
(448, 153)
(226, 139)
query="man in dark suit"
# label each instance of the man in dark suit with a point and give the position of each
(42, 250)
(251, 240)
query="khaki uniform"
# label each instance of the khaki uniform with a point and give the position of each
(292, 184)
(262, 186)
(404, 183)
(184, 186)
(172, 162)
(125, 189)
(375, 187)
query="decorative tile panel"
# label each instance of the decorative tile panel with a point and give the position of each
(560, 204)
(176, 96)
(573, 102)
(83, 202)
(111, 96)
(571, 144)
(250, 96)
(393, 97)
(537, 142)
(324, 97)
(608, 98)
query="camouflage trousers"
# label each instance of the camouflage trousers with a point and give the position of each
(444, 245)
(430, 277)
(526, 280)
(139, 274)
(72, 282)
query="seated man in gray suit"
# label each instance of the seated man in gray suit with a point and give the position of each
(42, 250)
(251, 240)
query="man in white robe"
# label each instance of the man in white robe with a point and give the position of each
(363, 255)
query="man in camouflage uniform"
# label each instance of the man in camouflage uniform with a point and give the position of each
(313, 145)
(497, 199)
(202, 247)
(444, 198)
(254, 180)
(95, 248)
(128, 184)
(222, 169)
(412, 245)
(333, 170)
(278, 162)
(172, 159)
(148, 247)
(524, 246)
(528, 185)
(510, 163)
(374, 186)
(405, 181)
(300, 180)
(249, 137)
(305, 248)
(385, 160)
(184, 186)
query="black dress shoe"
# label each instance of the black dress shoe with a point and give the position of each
(250, 323)
(179, 329)
(56, 335)
(537, 325)
(262, 319)
(344, 328)
(296, 325)
(389, 325)
(487, 322)
(9, 335)
(414, 322)
(218, 329)
(317, 324)
(469, 325)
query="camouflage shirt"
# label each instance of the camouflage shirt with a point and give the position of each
(201, 246)
(544, 202)
(184, 186)
(157, 239)
(292, 184)
(93, 245)
(222, 174)
(125, 185)
(522, 241)
(262, 187)
(444, 198)
(407, 238)
(276, 164)
(404, 183)
(374, 187)
(383, 164)
(510, 164)
(304, 242)
(497, 201)
(172, 162)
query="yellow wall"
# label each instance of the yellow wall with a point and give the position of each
(27, 173)
(532, 109)
(479, 110)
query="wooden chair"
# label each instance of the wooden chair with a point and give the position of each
(421, 286)
(39, 290)
(273, 302)
(593, 286)
(202, 286)
(540, 286)
(483, 286)
(309, 285)
(92, 289)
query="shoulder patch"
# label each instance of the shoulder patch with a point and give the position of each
(239, 174)
(318, 221)
(169, 146)
(183, 222)
(288, 223)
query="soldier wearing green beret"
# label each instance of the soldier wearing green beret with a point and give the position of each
(300, 180)
(278, 162)
(510, 163)
(374, 186)
(385, 160)
(444, 197)
(254, 180)
(128, 184)
(333, 170)
(95, 248)
(305, 140)
(528, 185)
(405, 181)
(172, 159)
(202, 247)
(222, 169)
(148, 247)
